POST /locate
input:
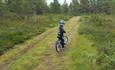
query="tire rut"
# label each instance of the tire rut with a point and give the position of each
(6, 64)
(48, 57)
(48, 62)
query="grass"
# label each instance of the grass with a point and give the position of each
(15, 31)
(16, 51)
(100, 32)
(35, 56)
(32, 57)
(18, 48)
(80, 54)
(83, 54)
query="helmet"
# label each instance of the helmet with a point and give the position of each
(61, 21)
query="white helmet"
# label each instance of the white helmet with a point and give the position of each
(61, 21)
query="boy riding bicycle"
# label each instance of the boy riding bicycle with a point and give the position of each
(61, 32)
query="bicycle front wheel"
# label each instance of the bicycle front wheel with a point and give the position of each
(58, 46)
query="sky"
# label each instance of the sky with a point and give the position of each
(60, 1)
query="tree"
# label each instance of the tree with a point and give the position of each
(55, 7)
(3, 8)
(74, 7)
(40, 6)
(113, 6)
(65, 7)
(84, 5)
(20, 7)
(104, 6)
(92, 6)
(27, 7)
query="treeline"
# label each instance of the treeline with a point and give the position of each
(77, 7)
(92, 6)
(22, 8)
(31, 7)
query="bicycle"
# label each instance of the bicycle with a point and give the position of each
(58, 45)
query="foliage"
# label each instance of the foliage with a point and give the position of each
(15, 31)
(55, 7)
(101, 31)
(74, 7)
(83, 55)
(65, 7)
(92, 6)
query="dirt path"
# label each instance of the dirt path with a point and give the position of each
(54, 61)
(6, 64)
(50, 60)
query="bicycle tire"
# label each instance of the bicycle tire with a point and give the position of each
(58, 46)
(65, 39)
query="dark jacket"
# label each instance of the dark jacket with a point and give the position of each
(61, 31)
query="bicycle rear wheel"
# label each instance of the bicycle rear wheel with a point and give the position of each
(65, 39)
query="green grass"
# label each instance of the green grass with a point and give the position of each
(83, 55)
(18, 48)
(33, 57)
(99, 29)
(16, 31)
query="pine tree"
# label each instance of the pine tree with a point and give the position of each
(84, 5)
(65, 7)
(27, 7)
(1, 8)
(40, 6)
(74, 7)
(104, 6)
(92, 6)
(55, 7)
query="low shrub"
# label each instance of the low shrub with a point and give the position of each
(99, 29)
(16, 31)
